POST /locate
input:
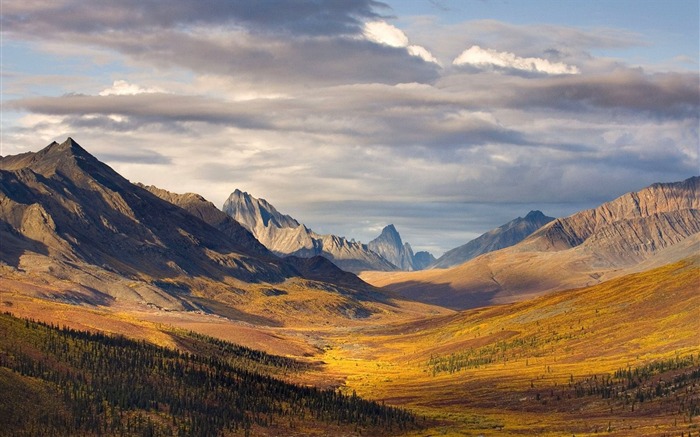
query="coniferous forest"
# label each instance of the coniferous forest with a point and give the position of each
(60, 381)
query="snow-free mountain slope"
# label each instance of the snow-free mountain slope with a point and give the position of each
(506, 235)
(90, 213)
(631, 227)
(655, 225)
(285, 236)
(74, 231)
(207, 211)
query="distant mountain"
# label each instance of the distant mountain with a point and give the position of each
(506, 235)
(422, 260)
(200, 207)
(75, 231)
(655, 226)
(389, 245)
(317, 267)
(285, 236)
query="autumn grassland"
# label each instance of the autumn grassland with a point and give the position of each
(619, 358)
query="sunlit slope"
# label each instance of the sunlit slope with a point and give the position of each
(538, 367)
(654, 226)
(75, 231)
(512, 275)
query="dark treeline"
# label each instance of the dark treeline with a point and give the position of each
(676, 379)
(237, 355)
(111, 385)
(475, 358)
(664, 387)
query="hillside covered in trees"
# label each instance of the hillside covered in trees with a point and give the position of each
(59, 381)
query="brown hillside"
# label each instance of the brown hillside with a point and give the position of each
(654, 226)
(73, 230)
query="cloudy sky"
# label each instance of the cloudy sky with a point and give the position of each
(444, 117)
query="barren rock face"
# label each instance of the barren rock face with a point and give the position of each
(389, 245)
(285, 236)
(631, 227)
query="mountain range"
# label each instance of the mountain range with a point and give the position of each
(652, 227)
(506, 235)
(65, 215)
(607, 303)
(73, 230)
(285, 236)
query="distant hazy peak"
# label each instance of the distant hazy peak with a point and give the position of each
(534, 215)
(390, 233)
(504, 236)
(285, 236)
(389, 245)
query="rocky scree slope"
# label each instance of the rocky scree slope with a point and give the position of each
(630, 228)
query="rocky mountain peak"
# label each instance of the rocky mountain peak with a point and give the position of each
(285, 236)
(390, 246)
(389, 233)
(534, 215)
(71, 161)
(255, 213)
(504, 236)
(67, 150)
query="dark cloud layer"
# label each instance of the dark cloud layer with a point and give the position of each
(672, 95)
(298, 17)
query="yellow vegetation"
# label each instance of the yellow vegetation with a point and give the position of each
(502, 370)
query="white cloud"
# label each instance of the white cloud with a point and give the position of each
(422, 53)
(478, 57)
(123, 88)
(382, 32)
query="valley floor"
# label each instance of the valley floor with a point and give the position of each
(621, 358)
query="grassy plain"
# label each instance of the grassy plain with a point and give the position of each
(545, 367)
(525, 368)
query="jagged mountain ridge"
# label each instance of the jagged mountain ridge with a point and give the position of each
(631, 227)
(74, 230)
(200, 207)
(390, 246)
(285, 236)
(503, 236)
(651, 227)
(317, 267)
